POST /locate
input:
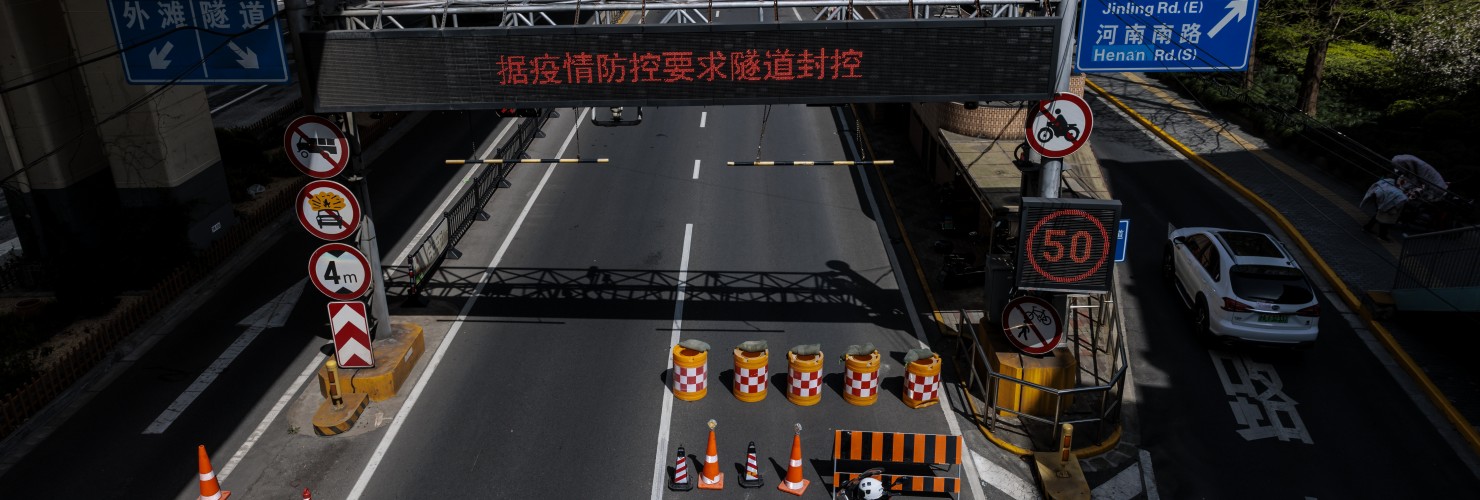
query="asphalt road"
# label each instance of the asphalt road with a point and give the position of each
(1240, 422)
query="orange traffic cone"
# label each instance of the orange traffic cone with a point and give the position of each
(307, 495)
(712, 478)
(794, 482)
(210, 489)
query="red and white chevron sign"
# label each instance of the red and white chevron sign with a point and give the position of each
(351, 334)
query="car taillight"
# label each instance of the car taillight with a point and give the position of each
(1236, 306)
(1311, 311)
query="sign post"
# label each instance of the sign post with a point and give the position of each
(1189, 35)
(183, 42)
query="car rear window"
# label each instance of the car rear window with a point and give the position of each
(1272, 284)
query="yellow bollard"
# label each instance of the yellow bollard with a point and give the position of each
(922, 382)
(331, 383)
(750, 375)
(861, 379)
(690, 373)
(804, 378)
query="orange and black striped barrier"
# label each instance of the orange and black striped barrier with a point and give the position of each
(498, 161)
(867, 449)
(808, 163)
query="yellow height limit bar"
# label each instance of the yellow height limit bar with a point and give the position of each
(529, 160)
(805, 163)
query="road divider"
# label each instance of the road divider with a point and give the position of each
(690, 370)
(751, 359)
(861, 375)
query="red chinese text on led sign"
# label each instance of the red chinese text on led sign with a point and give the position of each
(671, 67)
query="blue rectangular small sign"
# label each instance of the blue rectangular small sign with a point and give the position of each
(199, 41)
(1122, 233)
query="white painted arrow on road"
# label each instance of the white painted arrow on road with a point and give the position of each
(248, 59)
(1238, 8)
(157, 57)
(273, 314)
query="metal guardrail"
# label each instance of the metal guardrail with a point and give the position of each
(441, 243)
(1096, 338)
(1441, 259)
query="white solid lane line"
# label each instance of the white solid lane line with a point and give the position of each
(1148, 477)
(665, 421)
(282, 402)
(271, 315)
(703, 117)
(1124, 486)
(426, 376)
(696, 169)
(1006, 481)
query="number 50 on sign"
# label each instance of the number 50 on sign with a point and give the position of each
(1067, 245)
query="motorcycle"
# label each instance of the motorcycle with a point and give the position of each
(1058, 127)
(866, 486)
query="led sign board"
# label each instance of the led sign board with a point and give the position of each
(1067, 244)
(557, 66)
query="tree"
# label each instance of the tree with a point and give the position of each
(1315, 59)
(1296, 35)
(1439, 46)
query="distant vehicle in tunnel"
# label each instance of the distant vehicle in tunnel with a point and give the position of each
(1241, 285)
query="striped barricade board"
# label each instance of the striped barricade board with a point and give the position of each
(926, 463)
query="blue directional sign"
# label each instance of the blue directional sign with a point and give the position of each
(1151, 35)
(199, 41)
(1122, 236)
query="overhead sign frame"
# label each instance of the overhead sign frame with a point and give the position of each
(220, 42)
(323, 204)
(1163, 36)
(1024, 321)
(350, 282)
(316, 146)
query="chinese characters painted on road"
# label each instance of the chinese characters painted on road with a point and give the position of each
(1259, 403)
(680, 66)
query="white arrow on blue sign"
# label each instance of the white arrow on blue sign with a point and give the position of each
(199, 41)
(1155, 35)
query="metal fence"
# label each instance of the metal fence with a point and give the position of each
(441, 243)
(1441, 259)
(1096, 340)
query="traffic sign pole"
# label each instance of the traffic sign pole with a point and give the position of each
(369, 244)
(1053, 168)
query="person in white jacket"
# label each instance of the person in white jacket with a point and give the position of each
(1387, 197)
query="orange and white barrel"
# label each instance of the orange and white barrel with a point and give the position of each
(922, 382)
(861, 379)
(804, 378)
(690, 373)
(750, 375)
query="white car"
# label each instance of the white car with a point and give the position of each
(1241, 285)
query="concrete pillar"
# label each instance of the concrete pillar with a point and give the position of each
(163, 153)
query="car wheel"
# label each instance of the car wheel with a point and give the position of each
(1201, 322)
(1168, 270)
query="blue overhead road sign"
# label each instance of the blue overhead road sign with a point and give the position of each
(199, 41)
(1146, 35)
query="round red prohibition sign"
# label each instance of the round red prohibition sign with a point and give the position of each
(316, 146)
(1077, 248)
(328, 210)
(1059, 126)
(1032, 325)
(340, 271)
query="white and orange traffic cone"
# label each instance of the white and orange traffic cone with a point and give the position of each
(210, 488)
(794, 482)
(712, 478)
(307, 495)
(681, 480)
(752, 477)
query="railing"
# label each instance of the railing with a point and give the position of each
(1097, 340)
(1441, 259)
(441, 242)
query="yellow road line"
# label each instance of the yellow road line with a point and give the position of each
(1383, 336)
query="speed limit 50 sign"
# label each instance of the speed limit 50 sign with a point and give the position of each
(1067, 244)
